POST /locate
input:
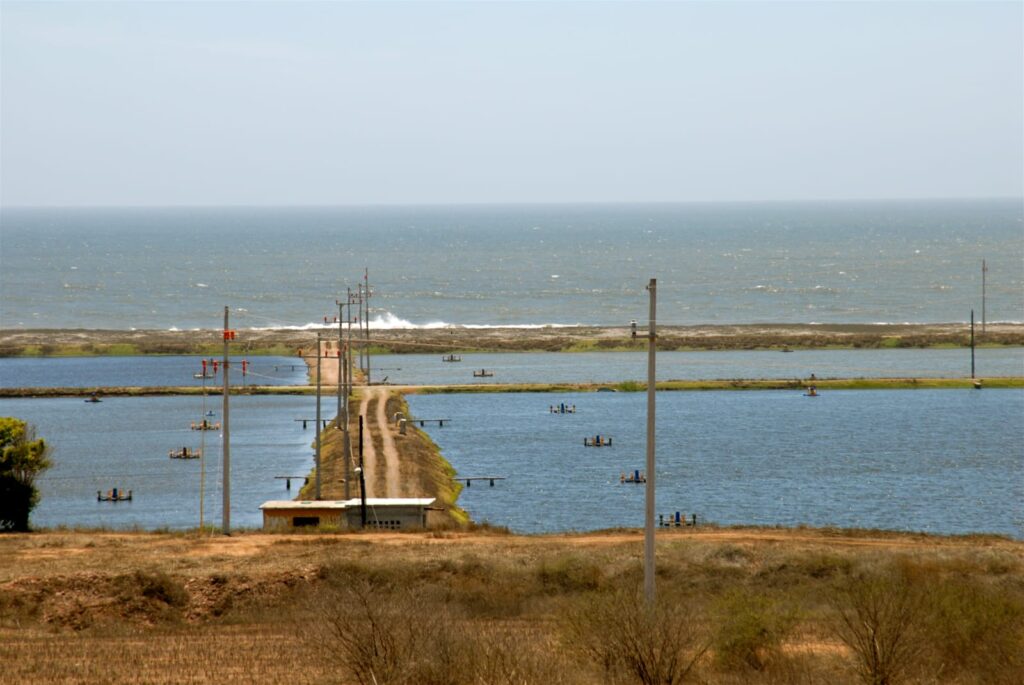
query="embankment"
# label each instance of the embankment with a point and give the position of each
(44, 342)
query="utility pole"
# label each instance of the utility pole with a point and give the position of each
(652, 288)
(343, 391)
(226, 514)
(972, 343)
(362, 475)
(366, 281)
(348, 393)
(319, 355)
(202, 458)
(984, 271)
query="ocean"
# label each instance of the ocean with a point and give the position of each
(841, 262)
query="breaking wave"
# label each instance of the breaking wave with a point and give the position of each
(388, 322)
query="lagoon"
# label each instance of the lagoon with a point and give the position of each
(940, 461)
(123, 443)
(615, 367)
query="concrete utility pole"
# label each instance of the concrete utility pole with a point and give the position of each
(348, 393)
(226, 514)
(319, 355)
(652, 288)
(343, 390)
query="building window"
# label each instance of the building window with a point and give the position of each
(300, 521)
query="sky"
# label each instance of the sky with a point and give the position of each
(337, 103)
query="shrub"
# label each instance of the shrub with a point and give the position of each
(627, 638)
(162, 588)
(751, 630)
(569, 573)
(877, 616)
(387, 634)
(976, 630)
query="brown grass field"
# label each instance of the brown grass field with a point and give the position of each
(483, 606)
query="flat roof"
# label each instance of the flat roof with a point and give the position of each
(289, 504)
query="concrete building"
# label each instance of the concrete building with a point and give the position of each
(388, 514)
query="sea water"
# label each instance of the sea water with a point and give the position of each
(941, 461)
(524, 265)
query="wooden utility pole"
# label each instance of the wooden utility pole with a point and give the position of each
(366, 289)
(972, 343)
(362, 476)
(226, 514)
(984, 271)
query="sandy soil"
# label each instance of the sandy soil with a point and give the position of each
(749, 336)
(37, 555)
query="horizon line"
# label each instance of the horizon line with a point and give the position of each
(520, 203)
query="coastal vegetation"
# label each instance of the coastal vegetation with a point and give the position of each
(623, 386)
(23, 457)
(735, 605)
(582, 339)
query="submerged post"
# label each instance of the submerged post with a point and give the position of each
(652, 288)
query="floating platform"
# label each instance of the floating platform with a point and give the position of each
(114, 495)
(562, 408)
(677, 520)
(185, 453)
(451, 358)
(635, 477)
(483, 373)
(598, 441)
(205, 425)
(469, 479)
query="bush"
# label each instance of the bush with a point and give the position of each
(977, 630)
(751, 631)
(878, 617)
(569, 573)
(386, 634)
(162, 588)
(628, 639)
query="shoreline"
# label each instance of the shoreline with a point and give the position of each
(285, 342)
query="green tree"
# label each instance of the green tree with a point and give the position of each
(22, 458)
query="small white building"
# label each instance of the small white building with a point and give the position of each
(399, 513)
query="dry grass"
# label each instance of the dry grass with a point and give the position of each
(735, 606)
